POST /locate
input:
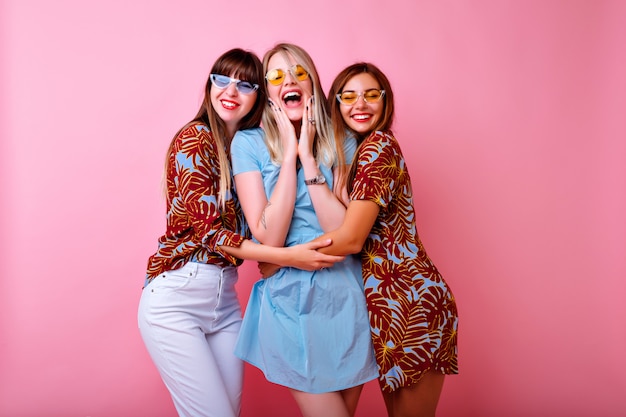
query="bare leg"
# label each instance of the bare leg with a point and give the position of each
(418, 400)
(351, 398)
(329, 404)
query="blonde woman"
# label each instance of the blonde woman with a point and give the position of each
(307, 331)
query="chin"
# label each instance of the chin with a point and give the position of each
(295, 115)
(361, 129)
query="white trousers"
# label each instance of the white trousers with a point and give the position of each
(189, 320)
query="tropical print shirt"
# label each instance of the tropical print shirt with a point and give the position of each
(196, 225)
(413, 315)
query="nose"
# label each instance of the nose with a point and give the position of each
(360, 101)
(231, 90)
(289, 78)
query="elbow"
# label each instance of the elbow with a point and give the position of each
(346, 242)
(268, 239)
(354, 249)
(353, 246)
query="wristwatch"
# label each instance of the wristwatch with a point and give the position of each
(320, 179)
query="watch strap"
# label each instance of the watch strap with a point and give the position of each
(320, 179)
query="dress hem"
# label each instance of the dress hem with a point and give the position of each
(309, 391)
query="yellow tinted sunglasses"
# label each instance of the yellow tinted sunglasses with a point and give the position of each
(369, 96)
(277, 76)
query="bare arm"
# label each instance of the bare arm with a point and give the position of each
(350, 237)
(304, 256)
(328, 208)
(268, 220)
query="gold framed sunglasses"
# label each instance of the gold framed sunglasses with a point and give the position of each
(276, 76)
(369, 96)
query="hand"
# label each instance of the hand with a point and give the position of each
(307, 131)
(286, 130)
(305, 256)
(267, 269)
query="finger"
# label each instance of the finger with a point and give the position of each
(273, 105)
(320, 244)
(330, 263)
(332, 259)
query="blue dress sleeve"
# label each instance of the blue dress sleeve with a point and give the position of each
(244, 150)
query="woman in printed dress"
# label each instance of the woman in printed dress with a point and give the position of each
(413, 315)
(189, 314)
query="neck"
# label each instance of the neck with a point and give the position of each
(297, 125)
(230, 131)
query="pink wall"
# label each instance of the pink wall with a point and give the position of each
(512, 117)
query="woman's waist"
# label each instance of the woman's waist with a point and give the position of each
(167, 256)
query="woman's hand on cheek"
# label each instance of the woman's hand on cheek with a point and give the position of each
(307, 132)
(285, 129)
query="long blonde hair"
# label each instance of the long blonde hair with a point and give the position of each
(244, 65)
(324, 147)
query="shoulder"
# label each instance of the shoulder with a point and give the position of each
(248, 137)
(249, 134)
(192, 134)
(248, 151)
(193, 130)
(381, 136)
(383, 140)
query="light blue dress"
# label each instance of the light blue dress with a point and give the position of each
(305, 330)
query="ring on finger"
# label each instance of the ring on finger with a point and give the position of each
(311, 120)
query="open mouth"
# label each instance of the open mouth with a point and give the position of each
(292, 98)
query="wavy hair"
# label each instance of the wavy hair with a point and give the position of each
(340, 129)
(244, 65)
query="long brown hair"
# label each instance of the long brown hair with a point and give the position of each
(341, 129)
(244, 65)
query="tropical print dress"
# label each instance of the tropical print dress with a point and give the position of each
(413, 314)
